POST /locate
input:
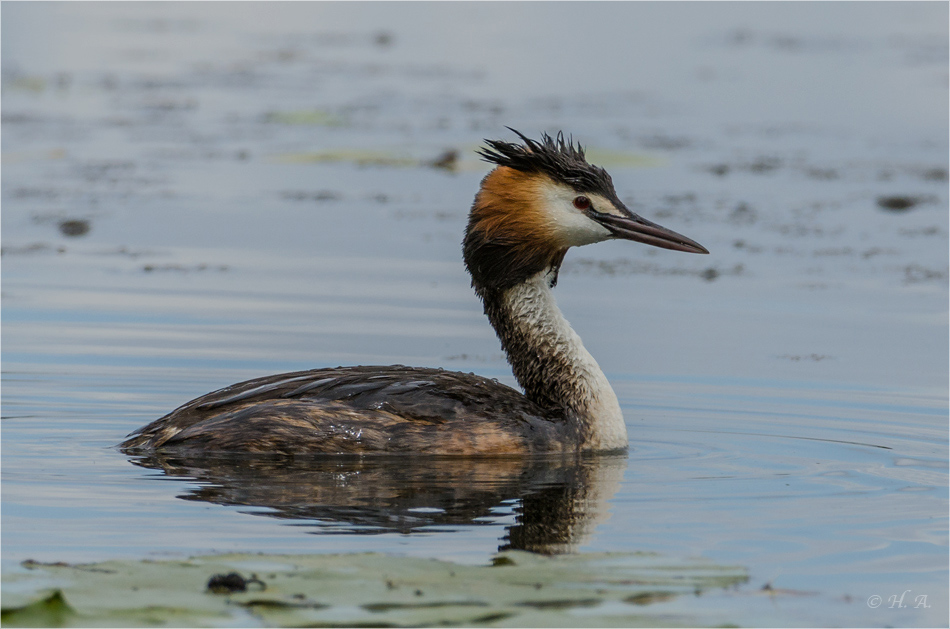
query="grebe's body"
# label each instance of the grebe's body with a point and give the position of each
(542, 198)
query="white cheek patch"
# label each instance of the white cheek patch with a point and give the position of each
(570, 226)
(604, 206)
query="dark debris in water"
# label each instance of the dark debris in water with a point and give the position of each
(448, 160)
(625, 266)
(902, 203)
(150, 268)
(316, 195)
(815, 358)
(108, 170)
(560, 604)
(824, 174)
(744, 246)
(384, 39)
(125, 252)
(897, 204)
(387, 607)
(719, 170)
(915, 273)
(410, 214)
(32, 564)
(233, 582)
(871, 252)
(784, 42)
(742, 214)
(934, 174)
(74, 227)
(932, 230)
(774, 591)
(760, 165)
(765, 164)
(259, 603)
(40, 193)
(647, 598)
(36, 247)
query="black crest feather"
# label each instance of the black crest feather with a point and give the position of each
(560, 160)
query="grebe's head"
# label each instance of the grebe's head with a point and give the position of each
(542, 198)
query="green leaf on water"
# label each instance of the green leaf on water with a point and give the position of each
(49, 611)
(518, 589)
(356, 156)
(311, 117)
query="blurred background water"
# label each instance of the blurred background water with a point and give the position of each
(199, 193)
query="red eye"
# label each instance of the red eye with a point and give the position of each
(582, 203)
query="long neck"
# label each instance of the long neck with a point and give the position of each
(550, 362)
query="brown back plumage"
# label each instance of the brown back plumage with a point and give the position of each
(361, 410)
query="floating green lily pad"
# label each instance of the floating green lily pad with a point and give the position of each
(26, 83)
(522, 589)
(359, 157)
(310, 117)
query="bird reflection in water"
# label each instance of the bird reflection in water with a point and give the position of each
(558, 501)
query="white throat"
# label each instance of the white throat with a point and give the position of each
(553, 357)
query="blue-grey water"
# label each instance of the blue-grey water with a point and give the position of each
(199, 193)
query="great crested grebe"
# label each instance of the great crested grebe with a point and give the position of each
(541, 199)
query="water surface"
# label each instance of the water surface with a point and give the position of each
(197, 194)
